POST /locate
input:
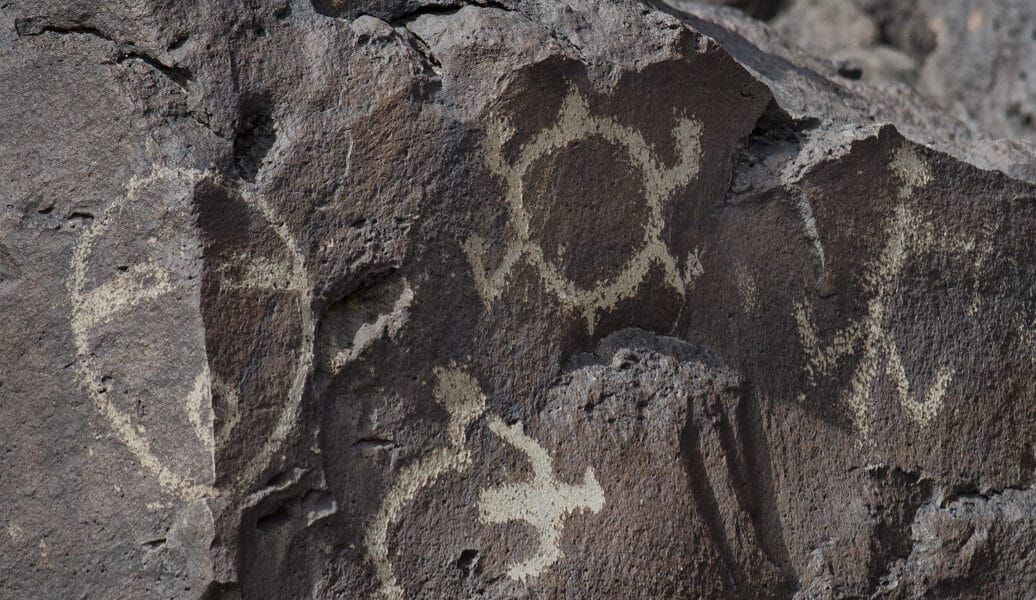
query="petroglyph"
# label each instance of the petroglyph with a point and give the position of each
(912, 170)
(97, 305)
(809, 224)
(143, 282)
(389, 323)
(459, 394)
(45, 553)
(982, 245)
(877, 344)
(575, 123)
(543, 502)
(299, 283)
(225, 423)
(148, 281)
(258, 273)
(199, 407)
(17, 533)
(869, 335)
(747, 290)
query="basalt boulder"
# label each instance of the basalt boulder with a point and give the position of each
(547, 299)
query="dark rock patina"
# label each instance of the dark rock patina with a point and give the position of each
(552, 299)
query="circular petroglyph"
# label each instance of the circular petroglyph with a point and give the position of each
(576, 125)
(588, 240)
(139, 332)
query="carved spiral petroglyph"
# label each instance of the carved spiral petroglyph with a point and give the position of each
(574, 124)
(148, 281)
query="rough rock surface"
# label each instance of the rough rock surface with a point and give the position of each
(976, 58)
(551, 298)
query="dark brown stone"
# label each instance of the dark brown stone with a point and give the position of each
(549, 299)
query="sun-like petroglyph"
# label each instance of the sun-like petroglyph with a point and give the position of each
(460, 395)
(576, 123)
(869, 336)
(543, 502)
(95, 304)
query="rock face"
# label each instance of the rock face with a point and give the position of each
(974, 58)
(409, 299)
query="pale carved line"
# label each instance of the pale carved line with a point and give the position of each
(459, 394)
(147, 281)
(869, 334)
(543, 502)
(575, 123)
(389, 323)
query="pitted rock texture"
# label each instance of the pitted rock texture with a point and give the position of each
(973, 58)
(548, 299)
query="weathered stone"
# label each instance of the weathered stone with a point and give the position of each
(975, 59)
(828, 91)
(539, 299)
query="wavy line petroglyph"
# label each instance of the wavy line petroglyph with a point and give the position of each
(869, 335)
(543, 502)
(148, 281)
(459, 394)
(389, 323)
(575, 123)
